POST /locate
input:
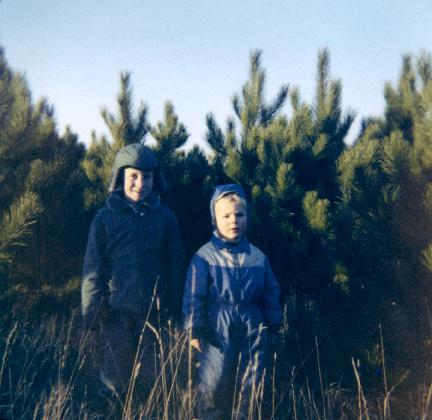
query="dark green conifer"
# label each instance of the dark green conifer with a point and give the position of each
(40, 182)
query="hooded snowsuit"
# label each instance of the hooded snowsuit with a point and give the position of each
(133, 250)
(231, 302)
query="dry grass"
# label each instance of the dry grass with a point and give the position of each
(49, 371)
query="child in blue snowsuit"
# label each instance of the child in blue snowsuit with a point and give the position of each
(231, 306)
(134, 255)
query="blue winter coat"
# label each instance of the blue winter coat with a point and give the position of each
(231, 300)
(131, 248)
(230, 290)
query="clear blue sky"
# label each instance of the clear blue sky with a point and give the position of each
(195, 53)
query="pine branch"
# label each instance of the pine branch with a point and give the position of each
(424, 67)
(323, 83)
(315, 211)
(426, 257)
(214, 136)
(142, 127)
(42, 174)
(124, 127)
(270, 111)
(17, 222)
(235, 100)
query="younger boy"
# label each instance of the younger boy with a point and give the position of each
(134, 255)
(230, 304)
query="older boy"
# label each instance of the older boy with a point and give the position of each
(134, 255)
(231, 301)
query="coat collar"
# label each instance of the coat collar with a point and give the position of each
(234, 248)
(118, 203)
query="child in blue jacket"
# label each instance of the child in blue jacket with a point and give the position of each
(231, 305)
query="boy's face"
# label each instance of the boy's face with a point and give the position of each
(137, 184)
(231, 219)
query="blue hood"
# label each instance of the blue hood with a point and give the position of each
(221, 191)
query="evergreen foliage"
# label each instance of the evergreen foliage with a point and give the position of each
(125, 128)
(16, 226)
(170, 135)
(97, 173)
(350, 223)
(347, 228)
(40, 186)
(187, 174)
(384, 223)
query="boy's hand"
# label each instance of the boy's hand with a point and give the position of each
(196, 343)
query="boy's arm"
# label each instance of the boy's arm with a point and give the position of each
(271, 307)
(195, 296)
(175, 267)
(93, 287)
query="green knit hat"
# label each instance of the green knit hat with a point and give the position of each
(137, 156)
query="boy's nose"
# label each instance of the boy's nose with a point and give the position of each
(139, 183)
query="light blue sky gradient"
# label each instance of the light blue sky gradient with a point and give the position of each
(195, 53)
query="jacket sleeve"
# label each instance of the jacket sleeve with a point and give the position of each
(94, 286)
(174, 267)
(195, 296)
(270, 302)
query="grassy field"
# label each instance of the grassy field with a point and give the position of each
(48, 370)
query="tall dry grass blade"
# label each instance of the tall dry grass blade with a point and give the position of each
(320, 379)
(254, 395)
(189, 383)
(274, 382)
(236, 382)
(177, 365)
(293, 395)
(79, 362)
(386, 403)
(6, 351)
(361, 398)
(137, 363)
(162, 367)
(155, 393)
(425, 413)
(302, 364)
(253, 390)
(260, 400)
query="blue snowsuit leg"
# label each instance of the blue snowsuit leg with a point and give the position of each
(233, 369)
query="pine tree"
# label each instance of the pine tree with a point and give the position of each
(125, 128)
(186, 174)
(170, 135)
(20, 207)
(383, 224)
(97, 172)
(289, 169)
(38, 167)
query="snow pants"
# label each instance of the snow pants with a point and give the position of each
(231, 376)
(127, 347)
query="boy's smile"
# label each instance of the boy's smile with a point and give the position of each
(137, 184)
(231, 219)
